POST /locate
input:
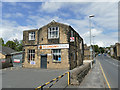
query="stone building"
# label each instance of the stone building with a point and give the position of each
(86, 52)
(112, 50)
(115, 51)
(5, 52)
(53, 46)
(5, 57)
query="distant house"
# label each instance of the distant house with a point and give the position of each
(115, 51)
(118, 51)
(5, 53)
(5, 56)
(112, 50)
(87, 52)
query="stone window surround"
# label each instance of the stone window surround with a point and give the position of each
(50, 32)
(32, 35)
(31, 53)
(56, 53)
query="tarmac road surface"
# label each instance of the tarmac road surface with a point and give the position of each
(30, 78)
(111, 69)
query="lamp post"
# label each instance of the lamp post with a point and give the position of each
(90, 16)
(93, 48)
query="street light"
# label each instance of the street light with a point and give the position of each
(90, 16)
(93, 48)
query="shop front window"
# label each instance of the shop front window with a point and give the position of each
(31, 55)
(56, 55)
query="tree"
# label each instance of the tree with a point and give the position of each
(96, 48)
(16, 41)
(11, 44)
(1, 41)
(102, 50)
(19, 46)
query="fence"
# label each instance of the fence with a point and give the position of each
(56, 80)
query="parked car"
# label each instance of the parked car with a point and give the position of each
(6, 63)
(99, 54)
(104, 54)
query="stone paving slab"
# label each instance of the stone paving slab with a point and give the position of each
(94, 78)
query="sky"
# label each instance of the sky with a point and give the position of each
(19, 16)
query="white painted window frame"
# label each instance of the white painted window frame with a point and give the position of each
(51, 31)
(32, 36)
(31, 54)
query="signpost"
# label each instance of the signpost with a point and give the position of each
(71, 39)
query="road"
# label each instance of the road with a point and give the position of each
(110, 68)
(31, 78)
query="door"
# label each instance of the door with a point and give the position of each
(44, 61)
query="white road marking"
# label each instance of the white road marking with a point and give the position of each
(112, 63)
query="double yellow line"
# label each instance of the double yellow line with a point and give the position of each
(105, 76)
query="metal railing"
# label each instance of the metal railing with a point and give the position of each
(56, 80)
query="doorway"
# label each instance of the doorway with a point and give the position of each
(44, 61)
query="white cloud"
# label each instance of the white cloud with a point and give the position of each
(23, 5)
(106, 14)
(50, 7)
(105, 19)
(11, 30)
(13, 3)
(7, 15)
(94, 32)
(60, 0)
(19, 14)
(15, 15)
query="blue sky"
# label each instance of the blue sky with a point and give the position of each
(20, 16)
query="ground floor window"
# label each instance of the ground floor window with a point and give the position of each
(56, 54)
(31, 55)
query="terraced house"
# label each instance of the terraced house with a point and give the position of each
(53, 46)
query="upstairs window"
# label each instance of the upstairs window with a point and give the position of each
(53, 32)
(32, 36)
(31, 55)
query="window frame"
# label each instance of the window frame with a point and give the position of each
(56, 53)
(31, 35)
(31, 53)
(53, 33)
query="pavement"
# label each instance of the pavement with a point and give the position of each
(94, 78)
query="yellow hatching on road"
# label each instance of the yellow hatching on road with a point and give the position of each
(105, 76)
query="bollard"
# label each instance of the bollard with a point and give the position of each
(68, 78)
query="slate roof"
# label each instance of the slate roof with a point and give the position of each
(7, 50)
